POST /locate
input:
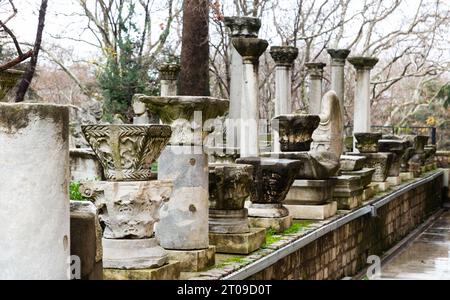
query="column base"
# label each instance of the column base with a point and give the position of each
(228, 221)
(279, 225)
(368, 193)
(171, 271)
(269, 210)
(382, 186)
(394, 181)
(313, 212)
(133, 254)
(407, 176)
(349, 203)
(238, 243)
(194, 260)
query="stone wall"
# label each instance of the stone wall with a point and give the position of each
(344, 251)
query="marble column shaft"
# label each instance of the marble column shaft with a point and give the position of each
(315, 71)
(338, 58)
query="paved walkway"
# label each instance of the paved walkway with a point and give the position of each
(427, 258)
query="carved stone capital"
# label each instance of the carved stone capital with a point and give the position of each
(367, 142)
(315, 70)
(243, 26)
(338, 56)
(250, 48)
(126, 152)
(284, 55)
(169, 71)
(296, 131)
(363, 63)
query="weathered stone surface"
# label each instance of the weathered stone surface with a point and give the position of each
(240, 243)
(347, 187)
(368, 193)
(329, 136)
(365, 174)
(86, 239)
(279, 225)
(243, 26)
(398, 148)
(184, 220)
(250, 48)
(129, 210)
(268, 210)
(407, 176)
(8, 80)
(363, 62)
(352, 163)
(229, 186)
(170, 271)
(179, 113)
(338, 59)
(349, 203)
(310, 192)
(223, 155)
(315, 165)
(272, 180)
(126, 152)
(84, 165)
(194, 260)
(394, 181)
(315, 71)
(228, 221)
(382, 186)
(313, 212)
(295, 131)
(34, 199)
(380, 162)
(367, 142)
(169, 71)
(284, 55)
(128, 254)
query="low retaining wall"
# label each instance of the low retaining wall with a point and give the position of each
(443, 160)
(339, 247)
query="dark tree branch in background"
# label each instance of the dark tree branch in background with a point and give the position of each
(29, 73)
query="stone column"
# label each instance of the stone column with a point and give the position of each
(338, 58)
(284, 58)
(315, 71)
(239, 27)
(362, 119)
(250, 49)
(34, 198)
(169, 75)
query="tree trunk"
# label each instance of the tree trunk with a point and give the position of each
(29, 73)
(194, 75)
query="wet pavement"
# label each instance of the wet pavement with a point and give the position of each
(427, 258)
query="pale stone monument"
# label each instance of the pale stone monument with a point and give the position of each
(129, 202)
(250, 49)
(362, 105)
(229, 230)
(315, 71)
(84, 165)
(183, 228)
(338, 59)
(239, 27)
(34, 198)
(284, 58)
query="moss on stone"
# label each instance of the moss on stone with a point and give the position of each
(17, 116)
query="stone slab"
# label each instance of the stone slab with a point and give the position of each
(349, 203)
(170, 271)
(310, 192)
(244, 243)
(277, 224)
(368, 193)
(194, 260)
(313, 212)
(394, 181)
(352, 163)
(382, 186)
(375, 187)
(407, 176)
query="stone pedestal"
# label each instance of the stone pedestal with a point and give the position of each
(278, 225)
(169, 75)
(362, 115)
(84, 165)
(365, 175)
(407, 176)
(368, 193)
(238, 243)
(398, 148)
(250, 49)
(34, 199)
(338, 59)
(351, 163)
(315, 71)
(170, 271)
(382, 186)
(284, 58)
(394, 181)
(379, 161)
(194, 260)
(313, 212)
(86, 239)
(239, 27)
(348, 192)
